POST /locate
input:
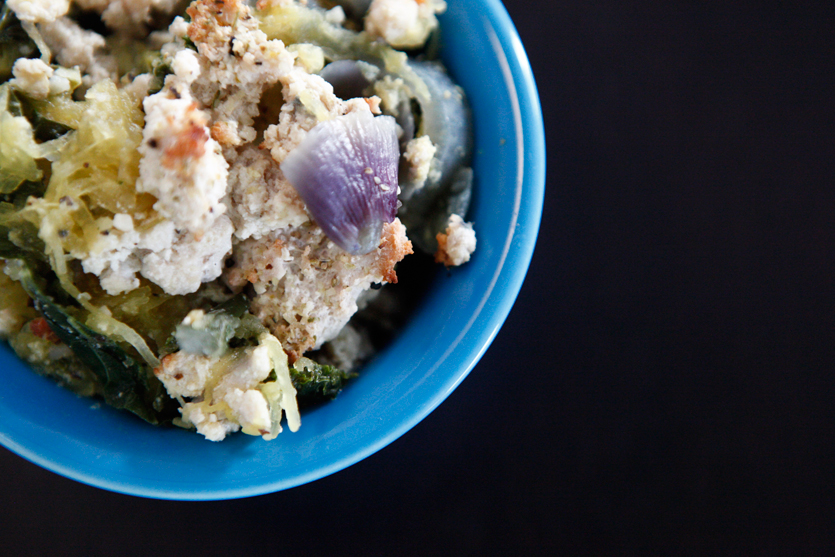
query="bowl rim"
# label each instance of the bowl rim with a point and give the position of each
(527, 211)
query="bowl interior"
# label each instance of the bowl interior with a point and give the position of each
(444, 338)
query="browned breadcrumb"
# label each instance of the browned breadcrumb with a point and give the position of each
(224, 134)
(374, 104)
(189, 143)
(159, 369)
(457, 243)
(441, 256)
(307, 286)
(393, 248)
(207, 14)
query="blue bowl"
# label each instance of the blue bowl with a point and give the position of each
(445, 337)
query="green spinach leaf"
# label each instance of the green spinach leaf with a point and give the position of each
(125, 382)
(317, 383)
(43, 128)
(14, 42)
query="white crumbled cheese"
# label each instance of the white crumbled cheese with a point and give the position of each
(38, 80)
(184, 374)
(128, 16)
(186, 66)
(32, 77)
(178, 27)
(74, 46)
(59, 83)
(38, 11)
(418, 157)
(139, 87)
(456, 244)
(403, 23)
(115, 258)
(214, 426)
(182, 166)
(190, 261)
(224, 390)
(123, 222)
(120, 277)
(238, 389)
(178, 262)
(249, 408)
(247, 371)
(195, 318)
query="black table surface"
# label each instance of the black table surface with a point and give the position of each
(664, 383)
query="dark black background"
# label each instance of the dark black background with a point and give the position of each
(664, 383)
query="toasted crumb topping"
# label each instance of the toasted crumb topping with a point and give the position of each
(457, 243)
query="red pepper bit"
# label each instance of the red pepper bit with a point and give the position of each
(40, 328)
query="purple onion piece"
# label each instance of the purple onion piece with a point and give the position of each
(345, 171)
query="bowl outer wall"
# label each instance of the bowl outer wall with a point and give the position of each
(94, 444)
